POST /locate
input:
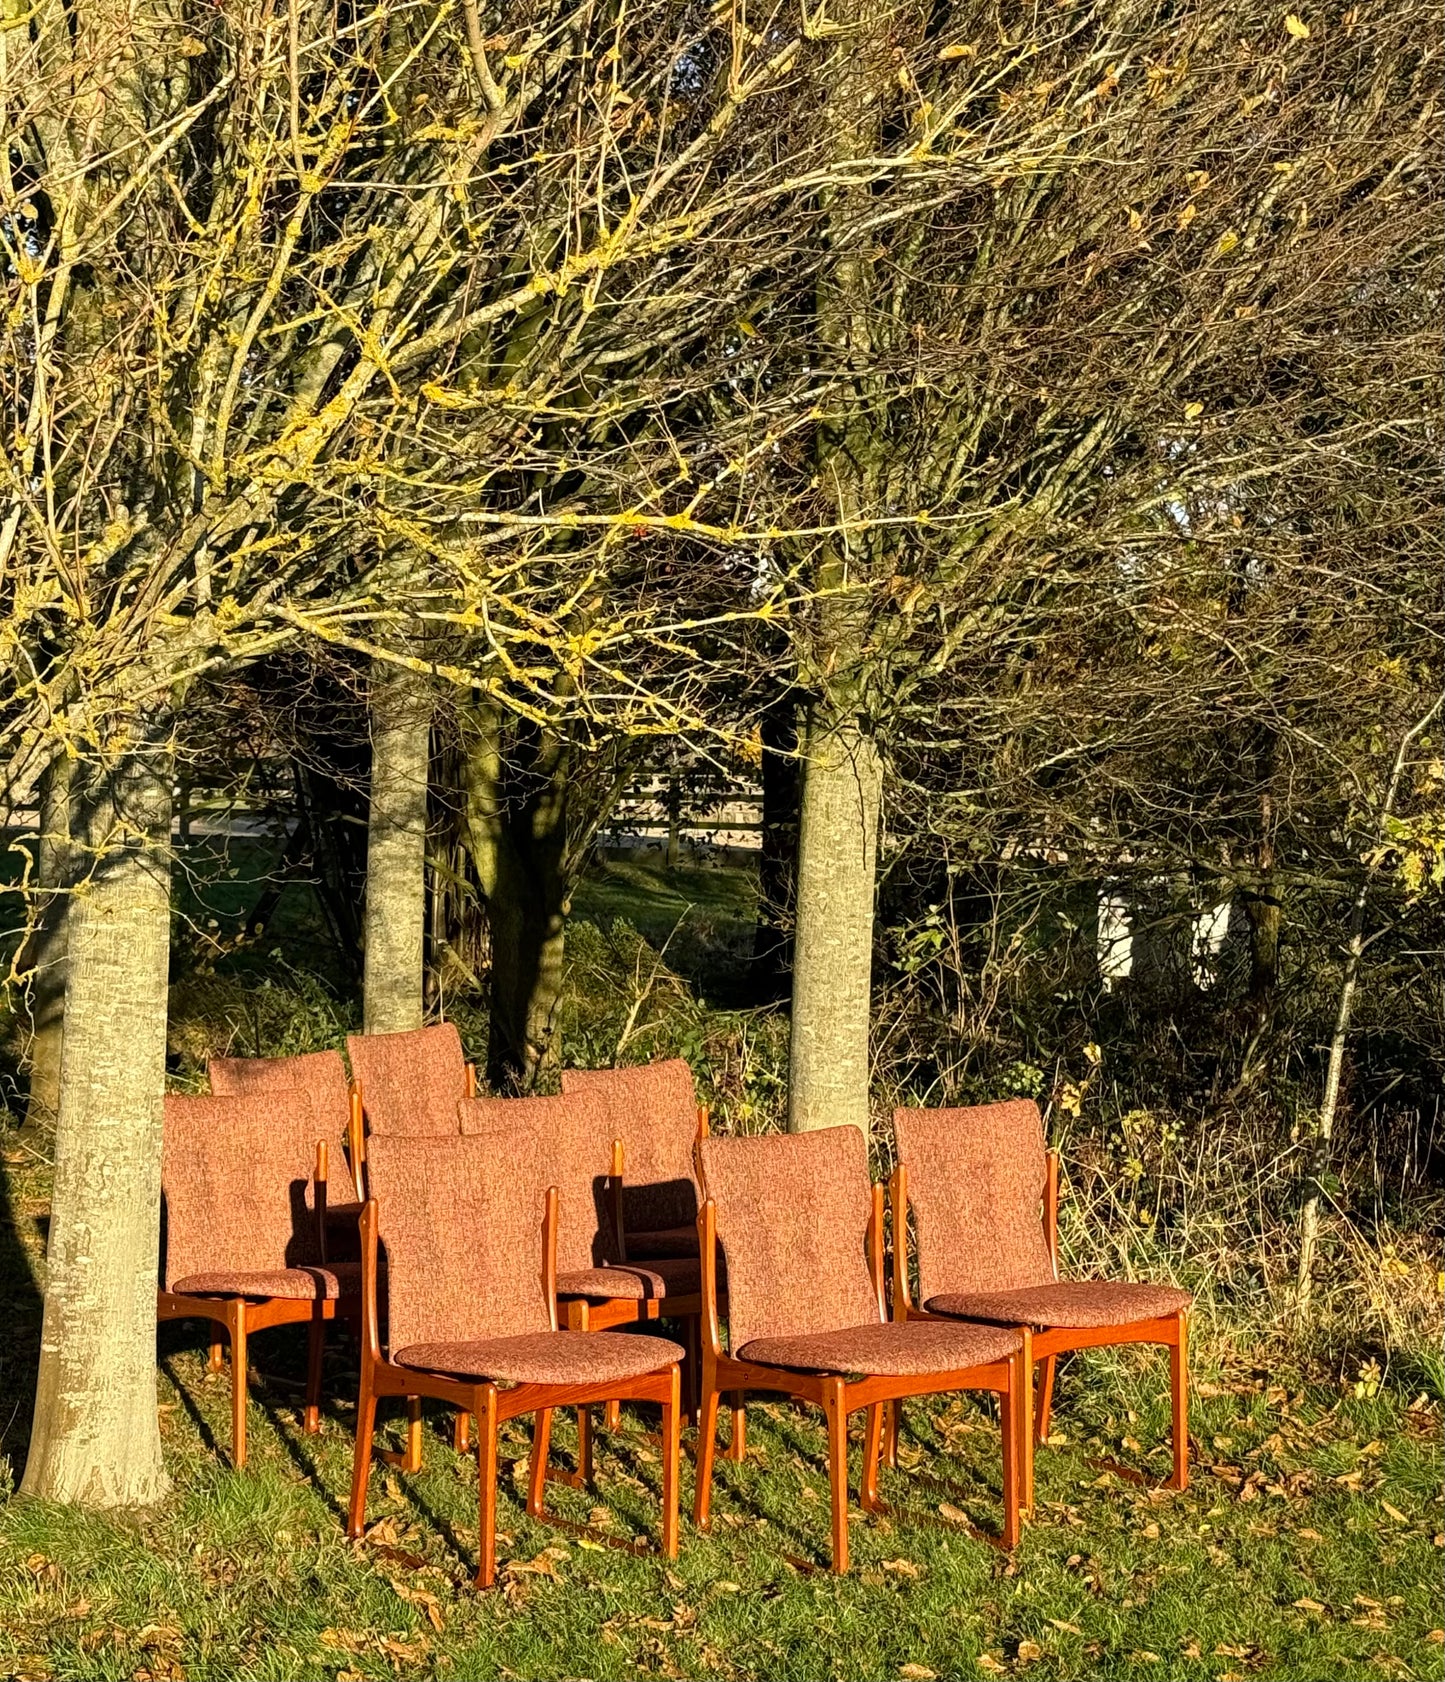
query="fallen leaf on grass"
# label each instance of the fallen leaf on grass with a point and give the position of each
(953, 1514)
(1309, 1535)
(1029, 1651)
(1305, 1604)
(917, 1672)
(986, 1661)
(1067, 1628)
(1437, 1636)
(419, 1597)
(903, 1567)
(1394, 1513)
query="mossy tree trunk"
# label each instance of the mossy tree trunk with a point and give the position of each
(395, 920)
(45, 958)
(96, 1440)
(842, 768)
(516, 811)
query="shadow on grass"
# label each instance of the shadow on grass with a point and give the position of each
(21, 1308)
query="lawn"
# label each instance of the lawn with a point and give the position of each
(1309, 1544)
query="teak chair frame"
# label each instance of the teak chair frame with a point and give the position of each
(1047, 1344)
(492, 1406)
(839, 1397)
(239, 1316)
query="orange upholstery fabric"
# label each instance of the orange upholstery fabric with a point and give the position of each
(666, 1277)
(896, 1349)
(1076, 1303)
(322, 1074)
(792, 1215)
(410, 1083)
(546, 1357)
(461, 1224)
(297, 1284)
(976, 1186)
(574, 1154)
(653, 1110)
(236, 1184)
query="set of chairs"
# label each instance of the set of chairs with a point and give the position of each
(502, 1256)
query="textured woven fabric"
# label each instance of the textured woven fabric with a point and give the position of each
(546, 1357)
(322, 1074)
(300, 1284)
(976, 1186)
(1076, 1303)
(792, 1216)
(410, 1083)
(664, 1244)
(575, 1155)
(653, 1110)
(665, 1277)
(461, 1222)
(896, 1349)
(236, 1184)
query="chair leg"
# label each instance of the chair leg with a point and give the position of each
(671, 1450)
(690, 1329)
(411, 1456)
(837, 1470)
(584, 1444)
(738, 1446)
(1010, 1420)
(893, 1416)
(216, 1359)
(361, 1462)
(877, 1416)
(537, 1471)
(1044, 1405)
(611, 1416)
(238, 1384)
(315, 1348)
(706, 1450)
(1179, 1390)
(461, 1431)
(1024, 1399)
(486, 1413)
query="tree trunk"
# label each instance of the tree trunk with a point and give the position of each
(46, 958)
(96, 1440)
(833, 949)
(516, 827)
(842, 770)
(395, 928)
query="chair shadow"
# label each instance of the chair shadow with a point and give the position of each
(22, 1308)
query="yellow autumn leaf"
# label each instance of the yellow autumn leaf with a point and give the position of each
(1227, 242)
(1297, 27)
(1192, 411)
(959, 50)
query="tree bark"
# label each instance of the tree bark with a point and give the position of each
(770, 969)
(833, 948)
(395, 926)
(516, 828)
(46, 957)
(842, 770)
(96, 1440)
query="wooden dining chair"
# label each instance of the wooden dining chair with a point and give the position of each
(598, 1288)
(807, 1316)
(984, 1195)
(469, 1226)
(653, 1110)
(243, 1190)
(407, 1085)
(322, 1075)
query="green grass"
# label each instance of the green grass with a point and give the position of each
(1301, 1494)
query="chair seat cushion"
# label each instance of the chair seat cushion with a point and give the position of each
(546, 1357)
(894, 1349)
(1079, 1303)
(677, 1276)
(665, 1242)
(298, 1284)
